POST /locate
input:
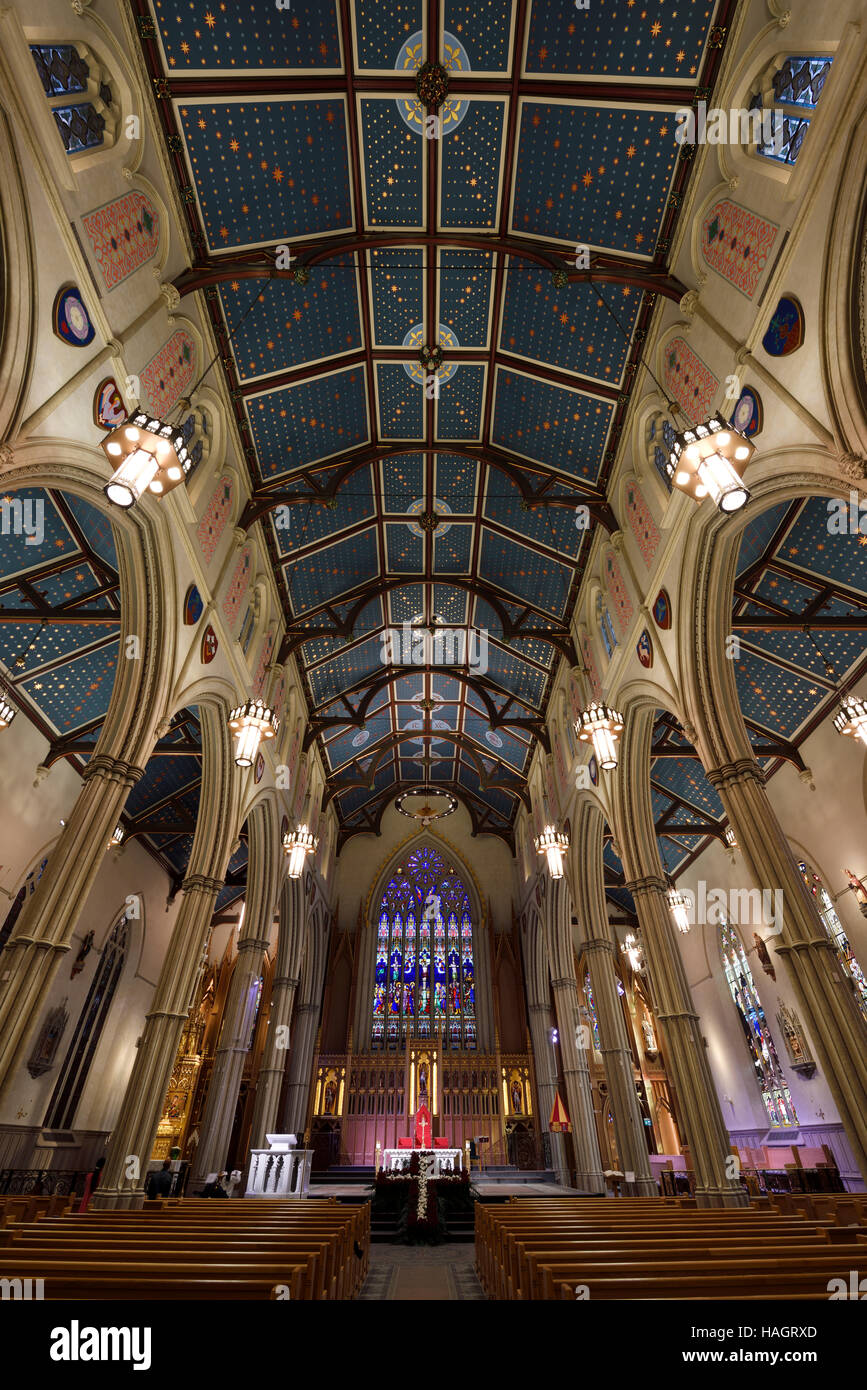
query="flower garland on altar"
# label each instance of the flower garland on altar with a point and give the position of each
(421, 1209)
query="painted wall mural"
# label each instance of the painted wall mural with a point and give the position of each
(690, 381)
(262, 663)
(736, 244)
(592, 669)
(619, 593)
(238, 587)
(214, 518)
(123, 235)
(167, 376)
(644, 528)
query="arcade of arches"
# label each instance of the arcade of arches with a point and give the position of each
(428, 518)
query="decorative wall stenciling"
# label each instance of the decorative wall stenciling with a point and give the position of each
(552, 791)
(785, 332)
(689, 380)
(124, 235)
(213, 522)
(748, 415)
(69, 319)
(238, 586)
(262, 663)
(644, 648)
(300, 791)
(592, 669)
(210, 645)
(193, 606)
(644, 528)
(109, 410)
(166, 376)
(662, 610)
(619, 593)
(560, 765)
(736, 244)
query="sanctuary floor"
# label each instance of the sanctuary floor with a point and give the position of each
(421, 1272)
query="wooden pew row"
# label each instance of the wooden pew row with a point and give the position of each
(28, 1207)
(208, 1250)
(627, 1254)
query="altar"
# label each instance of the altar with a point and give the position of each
(441, 1162)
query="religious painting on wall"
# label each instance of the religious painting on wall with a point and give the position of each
(785, 332)
(70, 320)
(109, 410)
(48, 1041)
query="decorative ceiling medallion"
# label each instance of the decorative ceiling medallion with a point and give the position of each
(193, 606)
(360, 738)
(431, 358)
(414, 339)
(644, 647)
(748, 415)
(432, 84)
(662, 610)
(493, 738)
(70, 319)
(438, 724)
(210, 645)
(418, 528)
(259, 769)
(109, 410)
(426, 804)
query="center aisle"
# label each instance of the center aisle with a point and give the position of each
(422, 1272)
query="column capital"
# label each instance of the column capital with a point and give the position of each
(565, 982)
(600, 944)
(112, 770)
(651, 883)
(201, 883)
(744, 770)
(249, 943)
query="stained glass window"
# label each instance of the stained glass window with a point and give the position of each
(834, 929)
(424, 977)
(769, 1073)
(797, 87)
(27, 888)
(63, 72)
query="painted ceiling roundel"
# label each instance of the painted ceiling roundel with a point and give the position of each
(431, 165)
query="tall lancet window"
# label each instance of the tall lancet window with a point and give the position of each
(91, 1021)
(769, 1073)
(836, 932)
(424, 978)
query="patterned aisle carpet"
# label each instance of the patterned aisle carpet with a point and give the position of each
(421, 1273)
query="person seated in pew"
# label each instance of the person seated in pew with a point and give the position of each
(216, 1187)
(159, 1183)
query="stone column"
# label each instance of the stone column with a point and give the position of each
(43, 933)
(546, 1085)
(135, 1130)
(685, 1052)
(599, 949)
(265, 862)
(298, 1091)
(278, 1042)
(825, 1000)
(576, 1065)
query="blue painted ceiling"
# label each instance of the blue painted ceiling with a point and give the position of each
(302, 128)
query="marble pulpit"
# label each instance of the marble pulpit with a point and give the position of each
(282, 1170)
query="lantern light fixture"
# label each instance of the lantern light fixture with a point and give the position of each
(679, 905)
(601, 725)
(731, 841)
(118, 837)
(554, 844)
(7, 712)
(250, 723)
(708, 460)
(851, 717)
(298, 844)
(631, 948)
(148, 454)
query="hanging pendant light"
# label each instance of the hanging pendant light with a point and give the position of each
(601, 726)
(633, 951)
(7, 712)
(852, 717)
(250, 723)
(679, 905)
(148, 455)
(708, 460)
(298, 844)
(554, 844)
(117, 838)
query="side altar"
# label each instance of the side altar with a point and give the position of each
(283, 1170)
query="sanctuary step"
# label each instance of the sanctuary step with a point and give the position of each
(509, 1174)
(363, 1176)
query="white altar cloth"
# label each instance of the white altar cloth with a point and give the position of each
(445, 1161)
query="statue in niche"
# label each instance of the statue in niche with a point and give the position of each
(48, 1041)
(797, 1047)
(517, 1098)
(422, 1081)
(330, 1098)
(762, 953)
(650, 1047)
(78, 963)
